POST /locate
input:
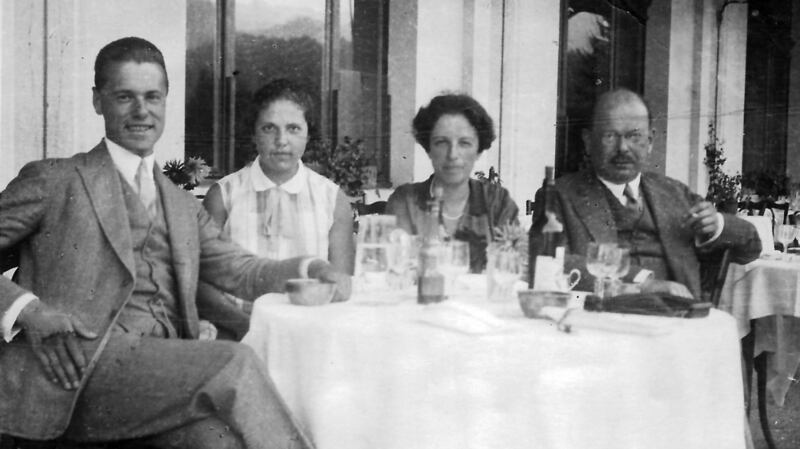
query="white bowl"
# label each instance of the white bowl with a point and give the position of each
(532, 301)
(310, 292)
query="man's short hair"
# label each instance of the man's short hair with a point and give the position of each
(123, 50)
(620, 95)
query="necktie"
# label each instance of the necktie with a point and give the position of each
(632, 202)
(146, 188)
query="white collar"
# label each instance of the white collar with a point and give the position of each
(261, 182)
(618, 190)
(126, 162)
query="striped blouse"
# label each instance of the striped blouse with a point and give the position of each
(279, 221)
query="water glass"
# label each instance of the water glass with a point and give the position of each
(453, 262)
(402, 259)
(503, 270)
(373, 247)
(785, 233)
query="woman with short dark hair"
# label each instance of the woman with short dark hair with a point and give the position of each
(454, 130)
(276, 207)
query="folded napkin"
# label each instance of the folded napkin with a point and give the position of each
(457, 316)
(571, 320)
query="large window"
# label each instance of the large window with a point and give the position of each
(605, 49)
(336, 47)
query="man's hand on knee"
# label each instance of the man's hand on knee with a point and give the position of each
(53, 336)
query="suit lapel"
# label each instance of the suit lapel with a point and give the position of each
(181, 226)
(593, 209)
(101, 180)
(663, 202)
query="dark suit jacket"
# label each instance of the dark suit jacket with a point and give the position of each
(66, 223)
(582, 206)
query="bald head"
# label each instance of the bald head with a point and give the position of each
(609, 101)
(619, 142)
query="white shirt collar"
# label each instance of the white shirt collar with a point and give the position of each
(261, 182)
(619, 189)
(126, 162)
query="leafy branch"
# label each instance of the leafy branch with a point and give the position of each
(722, 187)
(345, 163)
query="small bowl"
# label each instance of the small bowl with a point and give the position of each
(310, 292)
(532, 301)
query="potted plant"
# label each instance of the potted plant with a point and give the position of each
(768, 184)
(723, 189)
(188, 174)
(492, 178)
(346, 164)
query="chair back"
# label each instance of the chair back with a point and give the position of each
(784, 206)
(378, 207)
(760, 208)
(764, 229)
(713, 271)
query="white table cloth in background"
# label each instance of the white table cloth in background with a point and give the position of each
(767, 290)
(372, 373)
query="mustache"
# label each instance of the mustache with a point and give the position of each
(622, 159)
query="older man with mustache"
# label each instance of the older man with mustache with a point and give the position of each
(665, 225)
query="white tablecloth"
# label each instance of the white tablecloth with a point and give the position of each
(373, 374)
(768, 291)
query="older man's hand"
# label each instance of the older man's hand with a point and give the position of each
(53, 336)
(323, 271)
(702, 220)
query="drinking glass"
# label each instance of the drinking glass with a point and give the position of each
(373, 248)
(602, 260)
(785, 233)
(622, 267)
(453, 262)
(402, 259)
(503, 268)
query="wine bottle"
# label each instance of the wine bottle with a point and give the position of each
(546, 232)
(430, 281)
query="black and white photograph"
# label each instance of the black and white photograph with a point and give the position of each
(399, 224)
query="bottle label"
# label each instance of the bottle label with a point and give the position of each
(547, 274)
(430, 288)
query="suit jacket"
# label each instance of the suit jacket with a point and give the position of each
(65, 222)
(582, 207)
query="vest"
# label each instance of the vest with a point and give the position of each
(152, 308)
(637, 231)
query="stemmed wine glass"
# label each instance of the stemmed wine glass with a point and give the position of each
(622, 268)
(602, 261)
(785, 233)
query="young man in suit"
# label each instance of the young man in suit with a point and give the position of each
(665, 224)
(109, 253)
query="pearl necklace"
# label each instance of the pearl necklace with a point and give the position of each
(460, 207)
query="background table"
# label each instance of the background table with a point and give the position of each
(764, 297)
(367, 375)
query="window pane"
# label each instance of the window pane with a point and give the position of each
(200, 38)
(362, 104)
(274, 39)
(605, 50)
